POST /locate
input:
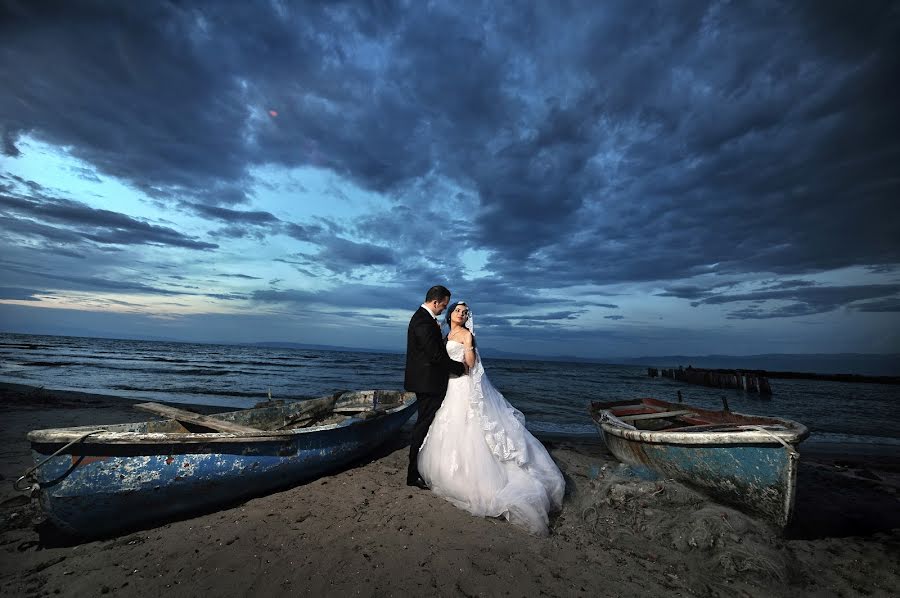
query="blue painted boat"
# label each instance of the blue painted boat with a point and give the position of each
(118, 477)
(747, 461)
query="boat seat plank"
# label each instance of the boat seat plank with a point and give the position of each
(194, 418)
(657, 415)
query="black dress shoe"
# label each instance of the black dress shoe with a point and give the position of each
(418, 483)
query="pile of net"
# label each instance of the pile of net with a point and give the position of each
(706, 545)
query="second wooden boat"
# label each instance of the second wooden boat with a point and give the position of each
(744, 460)
(98, 480)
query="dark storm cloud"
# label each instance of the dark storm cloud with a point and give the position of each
(8, 139)
(362, 316)
(557, 315)
(808, 300)
(803, 297)
(352, 296)
(261, 224)
(82, 282)
(130, 88)
(87, 174)
(789, 284)
(258, 218)
(696, 292)
(302, 232)
(686, 292)
(337, 256)
(227, 296)
(29, 228)
(243, 276)
(27, 216)
(891, 304)
(615, 142)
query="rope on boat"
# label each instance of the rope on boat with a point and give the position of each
(33, 483)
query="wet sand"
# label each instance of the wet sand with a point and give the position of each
(362, 531)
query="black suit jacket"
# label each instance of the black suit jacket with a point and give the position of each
(428, 367)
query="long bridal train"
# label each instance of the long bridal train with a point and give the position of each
(479, 456)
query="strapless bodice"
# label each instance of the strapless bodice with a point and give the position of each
(456, 350)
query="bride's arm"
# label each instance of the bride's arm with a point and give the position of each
(469, 355)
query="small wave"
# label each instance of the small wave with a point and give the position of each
(140, 370)
(267, 364)
(201, 372)
(196, 390)
(29, 347)
(565, 429)
(98, 356)
(838, 438)
(517, 370)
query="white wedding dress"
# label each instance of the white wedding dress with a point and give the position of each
(479, 456)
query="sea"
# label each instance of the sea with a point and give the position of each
(553, 395)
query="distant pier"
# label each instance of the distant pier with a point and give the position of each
(750, 382)
(766, 374)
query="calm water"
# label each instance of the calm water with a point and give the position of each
(552, 395)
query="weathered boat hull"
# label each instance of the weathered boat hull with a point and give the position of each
(761, 479)
(752, 468)
(100, 487)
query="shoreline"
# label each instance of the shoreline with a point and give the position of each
(361, 530)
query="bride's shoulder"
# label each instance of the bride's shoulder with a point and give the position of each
(461, 336)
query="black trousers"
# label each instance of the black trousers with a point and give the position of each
(427, 404)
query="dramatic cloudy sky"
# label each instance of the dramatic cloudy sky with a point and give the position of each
(608, 178)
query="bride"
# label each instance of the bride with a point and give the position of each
(478, 454)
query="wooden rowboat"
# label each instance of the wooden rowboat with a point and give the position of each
(743, 460)
(117, 477)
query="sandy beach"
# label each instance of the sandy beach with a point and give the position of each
(362, 531)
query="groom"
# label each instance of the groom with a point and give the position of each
(428, 369)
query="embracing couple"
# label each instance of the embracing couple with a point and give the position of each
(469, 445)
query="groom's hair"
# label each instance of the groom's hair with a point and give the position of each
(436, 293)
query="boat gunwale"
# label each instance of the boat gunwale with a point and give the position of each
(51, 436)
